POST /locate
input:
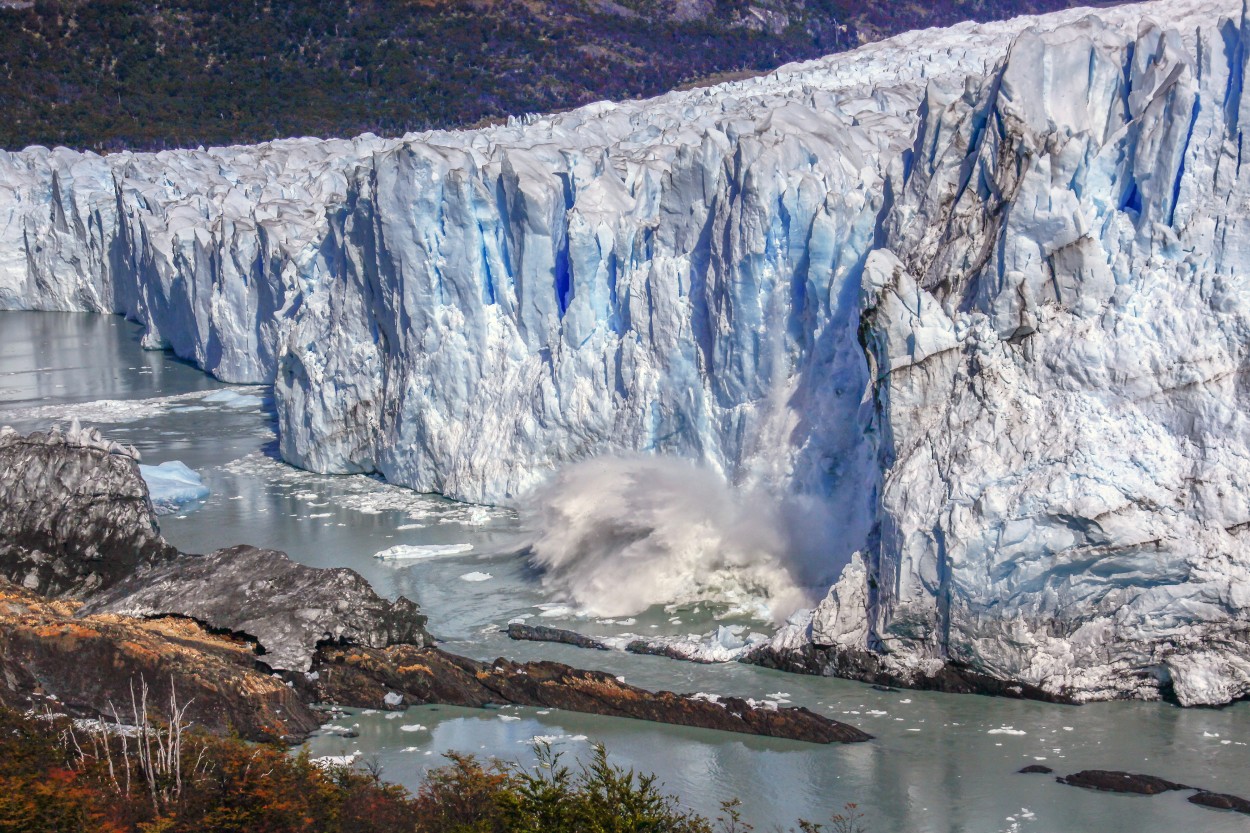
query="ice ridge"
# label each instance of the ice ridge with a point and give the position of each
(980, 290)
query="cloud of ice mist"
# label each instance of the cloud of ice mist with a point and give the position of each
(616, 535)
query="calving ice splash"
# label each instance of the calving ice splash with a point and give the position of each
(618, 535)
(978, 295)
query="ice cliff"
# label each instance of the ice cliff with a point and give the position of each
(981, 290)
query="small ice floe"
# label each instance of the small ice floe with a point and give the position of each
(334, 729)
(476, 576)
(468, 516)
(769, 705)
(554, 610)
(877, 713)
(553, 739)
(707, 698)
(508, 717)
(905, 701)
(406, 527)
(543, 711)
(1007, 730)
(394, 715)
(727, 643)
(393, 698)
(1206, 734)
(334, 761)
(411, 749)
(172, 484)
(412, 727)
(322, 515)
(419, 551)
(233, 399)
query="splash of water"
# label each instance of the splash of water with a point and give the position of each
(616, 535)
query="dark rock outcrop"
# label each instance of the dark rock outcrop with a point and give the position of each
(364, 677)
(1035, 769)
(1128, 782)
(541, 633)
(1120, 782)
(74, 513)
(289, 608)
(951, 678)
(92, 666)
(76, 521)
(1221, 801)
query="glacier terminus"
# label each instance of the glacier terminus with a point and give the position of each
(981, 295)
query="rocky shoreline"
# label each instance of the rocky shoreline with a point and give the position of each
(815, 660)
(95, 604)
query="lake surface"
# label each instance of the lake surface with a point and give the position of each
(938, 763)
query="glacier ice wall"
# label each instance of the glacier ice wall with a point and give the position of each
(1058, 324)
(979, 290)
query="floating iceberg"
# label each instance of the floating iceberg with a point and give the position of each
(171, 485)
(419, 551)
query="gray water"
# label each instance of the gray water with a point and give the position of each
(938, 763)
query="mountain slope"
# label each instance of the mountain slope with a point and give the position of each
(145, 75)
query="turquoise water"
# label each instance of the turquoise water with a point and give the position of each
(939, 762)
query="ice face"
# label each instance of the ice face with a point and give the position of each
(979, 293)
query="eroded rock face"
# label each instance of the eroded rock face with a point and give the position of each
(287, 607)
(74, 513)
(53, 656)
(76, 521)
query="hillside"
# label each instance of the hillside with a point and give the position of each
(112, 74)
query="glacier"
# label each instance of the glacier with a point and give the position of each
(979, 291)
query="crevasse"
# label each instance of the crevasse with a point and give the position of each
(980, 290)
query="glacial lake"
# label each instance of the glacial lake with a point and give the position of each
(938, 762)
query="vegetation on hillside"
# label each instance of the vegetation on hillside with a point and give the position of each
(143, 74)
(58, 777)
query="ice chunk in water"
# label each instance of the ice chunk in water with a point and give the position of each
(172, 484)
